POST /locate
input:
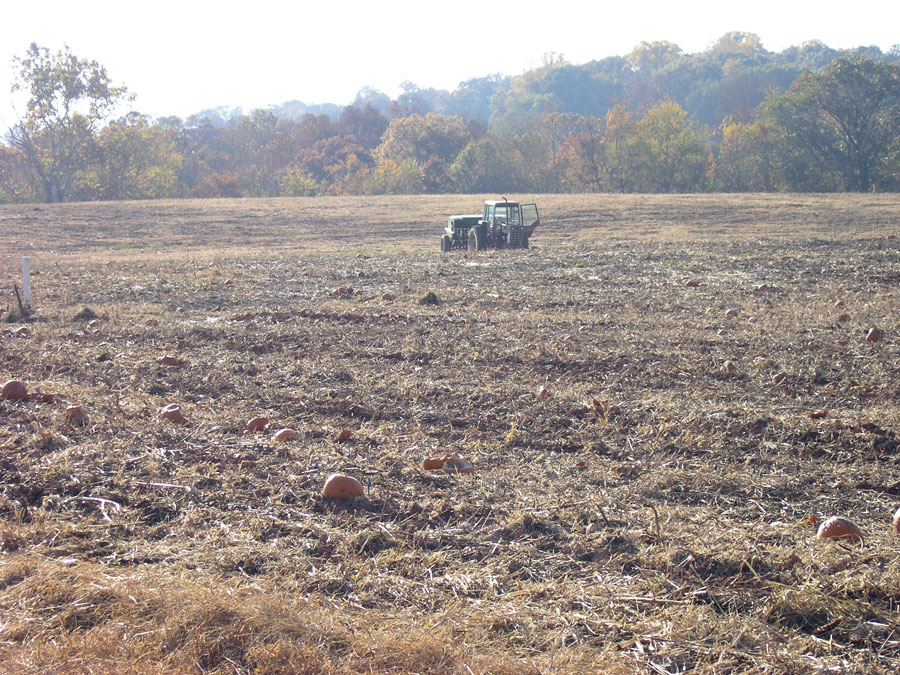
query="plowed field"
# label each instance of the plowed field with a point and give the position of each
(662, 399)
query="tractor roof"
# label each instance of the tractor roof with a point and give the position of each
(500, 202)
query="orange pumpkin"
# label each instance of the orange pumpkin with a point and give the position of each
(342, 487)
(74, 414)
(13, 391)
(454, 464)
(285, 435)
(172, 413)
(257, 424)
(433, 464)
(840, 528)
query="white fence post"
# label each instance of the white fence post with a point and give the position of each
(26, 280)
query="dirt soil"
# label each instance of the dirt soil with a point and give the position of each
(662, 399)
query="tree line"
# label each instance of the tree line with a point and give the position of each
(734, 118)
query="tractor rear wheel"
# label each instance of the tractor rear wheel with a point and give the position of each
(478, 238)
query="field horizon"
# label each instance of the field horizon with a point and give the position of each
(662, 400)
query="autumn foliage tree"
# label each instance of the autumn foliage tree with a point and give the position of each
(585, 151)
(68, 100)
(673, 157)
(846, 119)
(133, 160)
(745, 161)
(431, 143)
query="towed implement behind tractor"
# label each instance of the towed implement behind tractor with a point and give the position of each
(504, 224)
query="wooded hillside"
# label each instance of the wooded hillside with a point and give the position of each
(735, 117)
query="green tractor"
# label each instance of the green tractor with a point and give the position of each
(504, 224)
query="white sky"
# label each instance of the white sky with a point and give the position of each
(182, 57)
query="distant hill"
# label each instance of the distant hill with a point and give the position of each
(727, 80)
(223, 116)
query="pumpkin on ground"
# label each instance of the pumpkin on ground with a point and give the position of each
(74, 414)
(342, 487)
(285, 435)
(172, 413)
(841, 529)
(874, 335)
(455, 464)
(13, 391)
(257, 424)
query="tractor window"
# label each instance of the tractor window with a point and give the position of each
(529, 214)
(501, 217)
(514, 215)
(487, 212)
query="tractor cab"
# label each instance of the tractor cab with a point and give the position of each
(509, 224)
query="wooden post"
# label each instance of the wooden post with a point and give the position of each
(26, 281)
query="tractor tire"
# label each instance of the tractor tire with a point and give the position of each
(525, 242)
(446, 244)
(482, 234)
(478, 238)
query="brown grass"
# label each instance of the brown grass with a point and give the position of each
(646, 463)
